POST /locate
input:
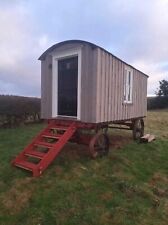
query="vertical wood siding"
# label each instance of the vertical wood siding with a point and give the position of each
(88, 84)
(110, 104)
(46, 88)
(102, 87)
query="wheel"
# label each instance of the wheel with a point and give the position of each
(138, 129)
(99, 145)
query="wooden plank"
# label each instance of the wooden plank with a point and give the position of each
(98, 87)
(83, 84)
(94, 85)
(147, 138)
(106, 86)
(102, 84)
(110, 88)
(90, 85)
(113, 91)
(124, 105)
(87, 86)
(135, 93)
(46, 90)
(120, 88)
(116, 89)
(35, 154)
(86, 82)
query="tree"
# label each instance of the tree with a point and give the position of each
(163, 88)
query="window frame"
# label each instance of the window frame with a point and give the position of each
(128, 85)
(63, 55)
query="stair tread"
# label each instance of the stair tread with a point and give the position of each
(35, 154)
(59, 128)
(25, 165)
(49, 156)
(44, 144)
(51, 136)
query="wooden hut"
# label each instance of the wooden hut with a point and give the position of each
(83, 86)
(83, 81)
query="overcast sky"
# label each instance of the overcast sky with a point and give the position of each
(134, 30)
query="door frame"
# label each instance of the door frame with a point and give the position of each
(55, 57)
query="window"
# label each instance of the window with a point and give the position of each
(128, 80)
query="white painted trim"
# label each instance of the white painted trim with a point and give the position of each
(67, 116)
(126, 84)
(54, 87)
(55, 57)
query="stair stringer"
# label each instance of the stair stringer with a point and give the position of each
(50, 155)
(21, 155)
(53, 152)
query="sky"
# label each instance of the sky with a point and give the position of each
(135, 31)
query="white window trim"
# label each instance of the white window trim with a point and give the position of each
(126, 86)
(55, 57)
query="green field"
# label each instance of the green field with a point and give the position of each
(129, 187)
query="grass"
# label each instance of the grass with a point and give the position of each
(129, 187)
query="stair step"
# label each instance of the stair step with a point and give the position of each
(58, 128)
(26, 165)
(52, 148)
(35, 154)
(51, 136)
(44, 144)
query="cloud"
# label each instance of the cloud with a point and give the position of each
(156, 73)
(136, 31)
(20, 48)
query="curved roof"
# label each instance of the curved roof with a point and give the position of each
(42, 57)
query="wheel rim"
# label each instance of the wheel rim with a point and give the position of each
(99, 145)
(138, 129)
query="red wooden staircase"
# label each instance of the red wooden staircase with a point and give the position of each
(37, 156)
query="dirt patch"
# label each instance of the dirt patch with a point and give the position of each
(166, 207)
(106, 217)
(58, 170)
(14, 201)
(119, 141)
(160, 192)
(75, 151)
(18, 196)
(120, 159)
(158, 178)
(77, 172)
(2, 184)
(122, 175)
(106, 196)
(159, 185)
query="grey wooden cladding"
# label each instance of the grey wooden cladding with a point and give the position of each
(102, 86)
(110, 104)
(46, 88)
(87, 85)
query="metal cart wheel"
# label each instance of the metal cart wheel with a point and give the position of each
(99, 145)
(138, 129)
